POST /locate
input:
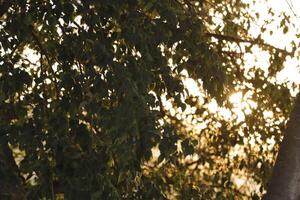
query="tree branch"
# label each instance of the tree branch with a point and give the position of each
(257, 41)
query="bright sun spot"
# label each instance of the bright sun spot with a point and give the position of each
(236, 98)
(213, 106)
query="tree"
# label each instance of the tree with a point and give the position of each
(285, 179)
(84, 117)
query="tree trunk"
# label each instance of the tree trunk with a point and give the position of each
(285, 181)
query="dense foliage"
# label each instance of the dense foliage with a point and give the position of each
(84, 88)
